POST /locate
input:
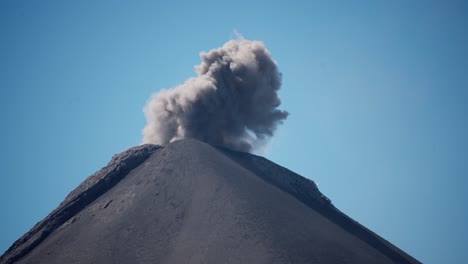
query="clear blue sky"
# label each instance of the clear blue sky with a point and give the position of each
(377, 91)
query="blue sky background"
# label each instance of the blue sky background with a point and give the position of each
(377, 91)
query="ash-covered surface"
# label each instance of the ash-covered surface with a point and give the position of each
(192, 203)
(94, 186)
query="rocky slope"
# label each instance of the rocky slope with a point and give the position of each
(189, 202)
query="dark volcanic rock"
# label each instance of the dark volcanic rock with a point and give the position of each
(192, 203)
(88, 191)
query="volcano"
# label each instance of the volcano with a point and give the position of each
(190, 202)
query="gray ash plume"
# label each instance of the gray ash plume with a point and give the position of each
(233, 102)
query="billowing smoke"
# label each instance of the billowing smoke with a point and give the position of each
(233, 102)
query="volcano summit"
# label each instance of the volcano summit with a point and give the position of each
(190, 202)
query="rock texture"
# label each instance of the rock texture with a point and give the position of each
(94, 186)
(190, 202)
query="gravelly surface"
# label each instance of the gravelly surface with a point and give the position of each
(192, 203)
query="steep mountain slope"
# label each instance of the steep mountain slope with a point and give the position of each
(192, 203)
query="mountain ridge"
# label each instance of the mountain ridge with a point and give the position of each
(94, 186)
(258, 168)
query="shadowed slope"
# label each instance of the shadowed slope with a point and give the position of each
(192, 203)
(82, 196)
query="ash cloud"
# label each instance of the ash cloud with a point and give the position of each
(233, 102)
